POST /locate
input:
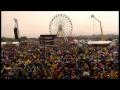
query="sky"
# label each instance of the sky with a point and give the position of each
(34, 23)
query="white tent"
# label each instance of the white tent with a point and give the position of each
(3, 43)
(74, 41)
(16, 43)
(98, 42)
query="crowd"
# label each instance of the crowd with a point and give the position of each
(59, 62)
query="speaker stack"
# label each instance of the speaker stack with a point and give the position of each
(15, 33)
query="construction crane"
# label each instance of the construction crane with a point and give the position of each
(92, 16)
(16, 26)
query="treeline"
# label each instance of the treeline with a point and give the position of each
(97, 37)
(4, 39)
(85, 37)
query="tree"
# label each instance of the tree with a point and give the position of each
(3, 39)
(23, 38)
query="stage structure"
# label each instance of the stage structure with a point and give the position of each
(47, 39)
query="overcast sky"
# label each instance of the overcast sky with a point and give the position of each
(35, 23)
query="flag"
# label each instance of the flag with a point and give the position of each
(98, 52)
(34, 56)
(84, 57)
(51, 57)
(7, 56)
(86, 51)
(56, 71)
(54, 65)
(28, 61)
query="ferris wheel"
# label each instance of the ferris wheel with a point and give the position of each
(61, 25)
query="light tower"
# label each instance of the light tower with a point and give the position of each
(102, 36)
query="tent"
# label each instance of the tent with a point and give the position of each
(98, 42)
(3, 43)
(15, 43)
(74, 41)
